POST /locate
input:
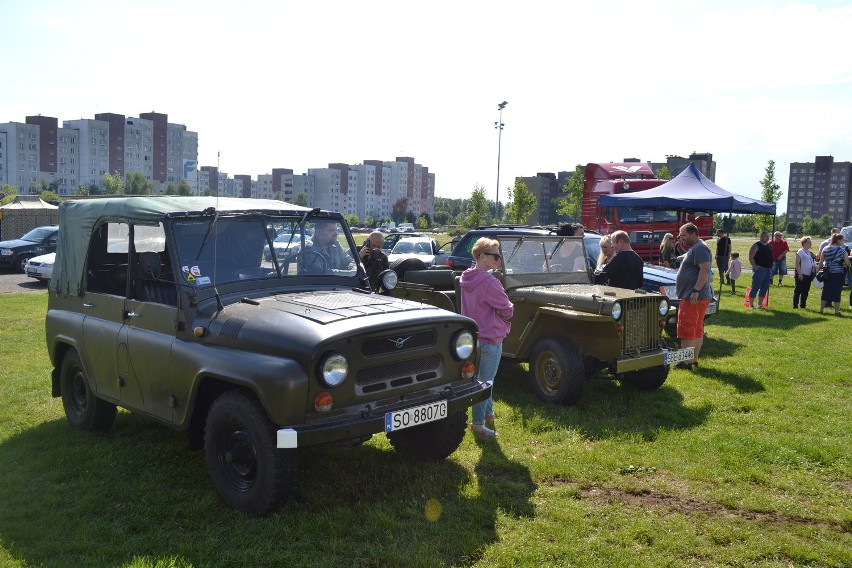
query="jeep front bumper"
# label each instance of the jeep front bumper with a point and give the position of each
(626, 364)
(370, 422)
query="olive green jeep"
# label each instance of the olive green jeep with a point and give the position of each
(566, 327)
(173, 307)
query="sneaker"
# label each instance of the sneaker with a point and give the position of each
(482, 431)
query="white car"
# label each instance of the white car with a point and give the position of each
(40, 267)
(413, 247)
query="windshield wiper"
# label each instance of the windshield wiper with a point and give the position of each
(215, 213)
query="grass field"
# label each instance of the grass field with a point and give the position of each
(745, 462)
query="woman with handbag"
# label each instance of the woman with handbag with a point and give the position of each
(804, 274)
(835, 262)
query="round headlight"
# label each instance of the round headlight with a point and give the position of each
(616, 311)
(664, 307)
(389, 279)
(334, 369)
(464, 344)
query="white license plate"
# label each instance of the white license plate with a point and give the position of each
(711, 309)
(415, 416)
(679, 355)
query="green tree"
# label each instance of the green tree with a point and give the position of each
(664, 173)
(352, 220)
(478, 214)
(522, 203)
(771, 192)
(423, 222)
(184, 188)
(8, 193)
(50, 197)
(570, 205)
(170, 189)
(370, 221)
(113, 184)
(807, 223)
(399, 210)
(301, 200)
(135, 183)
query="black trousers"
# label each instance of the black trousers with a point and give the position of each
(803, 288)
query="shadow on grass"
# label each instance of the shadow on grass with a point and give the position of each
(74, 498)
(741, 317)
(607, 409)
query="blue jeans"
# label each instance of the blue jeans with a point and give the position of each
(760, 280)
(489, 360)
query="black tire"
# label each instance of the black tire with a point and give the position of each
(248, 471)
(645, 379)
(433, 441)
(82, 408)
(556, 371)
(403, 265)
(22, 262)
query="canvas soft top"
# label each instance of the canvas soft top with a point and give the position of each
(78, 219)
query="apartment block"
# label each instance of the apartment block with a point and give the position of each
(818, 188)
(39, 154)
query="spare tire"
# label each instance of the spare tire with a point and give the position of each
(403, 265)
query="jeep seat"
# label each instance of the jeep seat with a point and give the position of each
(152, 287)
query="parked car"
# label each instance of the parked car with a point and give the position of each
(41, 267)
(656, 278)
(253, 359)
(14, 254)
(392, 238)
(566, 327)
(413, 247)
(284, 244)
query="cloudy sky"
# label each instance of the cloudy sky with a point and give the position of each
(299, 85)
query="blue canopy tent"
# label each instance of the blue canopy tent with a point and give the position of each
(689, 191)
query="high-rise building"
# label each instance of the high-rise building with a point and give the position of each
(818, 188)
(38, 155)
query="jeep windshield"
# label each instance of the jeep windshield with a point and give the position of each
(545, 259)
(222, 249)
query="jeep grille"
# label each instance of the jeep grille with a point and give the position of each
(398, 374)
(641, 325)
(399, 343)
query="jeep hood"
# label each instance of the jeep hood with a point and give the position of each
(311, 318)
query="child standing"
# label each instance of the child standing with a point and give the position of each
(734, 271)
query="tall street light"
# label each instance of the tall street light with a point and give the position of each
(499, 126)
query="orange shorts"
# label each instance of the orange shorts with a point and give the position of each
(690, 319)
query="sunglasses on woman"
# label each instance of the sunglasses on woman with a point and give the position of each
(494, 254)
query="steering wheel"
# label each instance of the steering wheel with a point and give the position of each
(308, 260)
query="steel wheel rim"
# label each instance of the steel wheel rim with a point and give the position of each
(548, 373)
(238, 458)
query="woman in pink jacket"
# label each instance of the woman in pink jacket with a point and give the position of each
(484, 301)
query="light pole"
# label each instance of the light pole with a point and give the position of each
(499, 126)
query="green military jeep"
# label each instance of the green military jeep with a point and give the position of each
(566, 327)
(169, 307)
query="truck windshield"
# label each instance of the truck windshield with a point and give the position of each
(234, 249)
(642, 215)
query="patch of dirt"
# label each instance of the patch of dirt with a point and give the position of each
(677, 504)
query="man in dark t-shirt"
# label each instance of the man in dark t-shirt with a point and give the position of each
(625, 268)
(723, 256)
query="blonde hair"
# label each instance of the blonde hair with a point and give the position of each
(667, 241)
(805, 240)
(482, 244)
(606, 241)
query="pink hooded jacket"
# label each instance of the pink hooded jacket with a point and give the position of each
(484, 301)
